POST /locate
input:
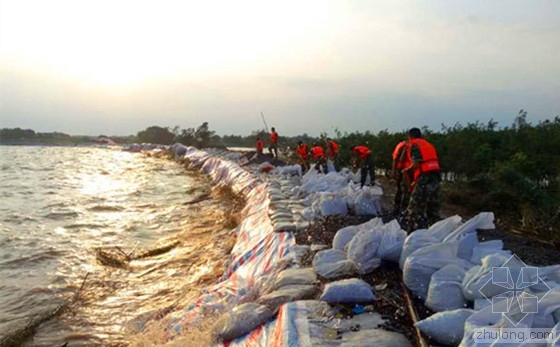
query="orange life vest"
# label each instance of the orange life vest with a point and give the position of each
(333, 147)
(317, 152)
(403, 159)
(361, 151)
(429, 157)
(260, 146)
(274, 137)
(302, 150)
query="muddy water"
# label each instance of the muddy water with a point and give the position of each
(60, 205)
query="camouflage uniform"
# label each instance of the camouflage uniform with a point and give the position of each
(423, 207)
(402, 195)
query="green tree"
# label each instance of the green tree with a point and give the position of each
(156, 134)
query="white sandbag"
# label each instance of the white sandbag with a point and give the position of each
(550, 275)
(308, 213)
(414, 242)
(479, 304)
(374, 337)
(492, 319)
(392, 241)
(466, 244)
(487, 248)
(333, 263)
(348, 291)
(362, 250)
(483, 220)
(330, 166)
(422, 264)
(344, 236)
(445, 291)
(295, 276)
(366, 203)
(331, 205)
(479, 281)
(444, 227)
(445, 327)
(240, 321)
(554, 340)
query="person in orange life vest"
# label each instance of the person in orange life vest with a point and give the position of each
(273, 143)
(318, 156)
(423, 207)
(260, 147)
(303, 151)
(363, 155)
(331, 150)
(401, 160)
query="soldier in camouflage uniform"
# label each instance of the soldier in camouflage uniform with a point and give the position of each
(423, 207)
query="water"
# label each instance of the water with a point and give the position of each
(59, 204)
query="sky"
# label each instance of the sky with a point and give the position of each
(116, 67)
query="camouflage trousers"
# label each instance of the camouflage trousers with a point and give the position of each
(402, 195)
(423, 206)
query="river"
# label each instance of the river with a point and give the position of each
(62, 204)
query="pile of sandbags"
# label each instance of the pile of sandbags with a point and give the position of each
(451, 270)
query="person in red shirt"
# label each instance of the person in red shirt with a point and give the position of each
(273, 148)
(331, 150)
(401, 160)
(318, 156)
(303, 151)
(362, 155)
(260, 147)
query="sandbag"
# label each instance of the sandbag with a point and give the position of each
(333, 263)
(422, 264)
(554, 340)
(487, 248)
(298, 252)
(392, 241)
(295, 276)
(242, 320)
(348, 291)
(332, 205)
(344, 236)
(362, 250)
(288, 294)
(374, 337)
(478, 283)
(445, 291)
(366, 203)
(414, 242)
(445, 327)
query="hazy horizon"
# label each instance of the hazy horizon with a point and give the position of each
(115, 68)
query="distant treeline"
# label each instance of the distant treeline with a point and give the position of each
(18, 135)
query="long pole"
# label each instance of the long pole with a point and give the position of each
(264, 120)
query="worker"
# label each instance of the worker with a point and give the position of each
(423, 207)
(318, 156)
(401, 160)
(331, 150)
(362, 158)
(260, 147)
(273, 148)
(303, 151)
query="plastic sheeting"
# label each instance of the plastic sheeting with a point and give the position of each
(257, 250)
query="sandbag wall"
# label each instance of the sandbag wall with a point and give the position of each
(257, 250)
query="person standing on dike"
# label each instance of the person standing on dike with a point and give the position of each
(273, 143)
